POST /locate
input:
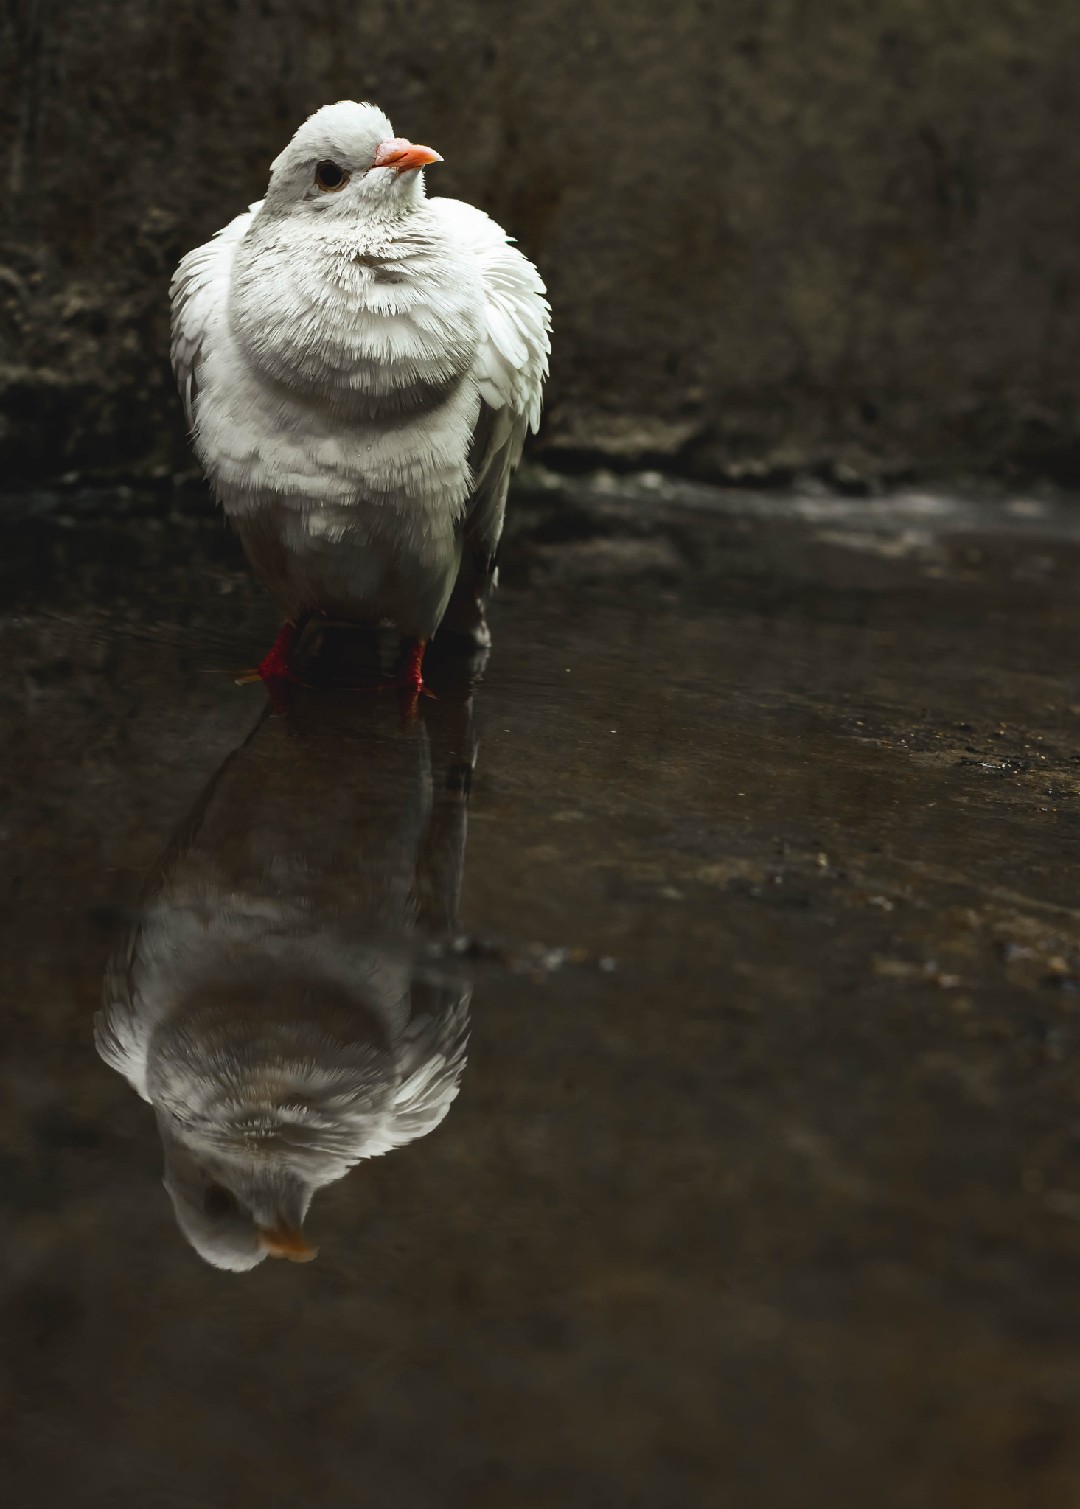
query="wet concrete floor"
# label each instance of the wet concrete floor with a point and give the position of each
(707, 977)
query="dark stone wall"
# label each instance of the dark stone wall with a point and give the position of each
(777, 233)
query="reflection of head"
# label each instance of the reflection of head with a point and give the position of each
(236, 1210)
(266, 1093)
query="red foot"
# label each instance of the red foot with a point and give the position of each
(277, 666)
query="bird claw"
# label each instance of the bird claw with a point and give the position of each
(268, 678)
(276, 665)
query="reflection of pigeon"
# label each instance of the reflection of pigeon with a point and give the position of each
(359, 366)
(267, 1003)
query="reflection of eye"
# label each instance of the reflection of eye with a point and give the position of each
(218, 1201)
(329, 177)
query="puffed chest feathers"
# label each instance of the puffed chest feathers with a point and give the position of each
(394, 317)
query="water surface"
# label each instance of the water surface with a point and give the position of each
(733, 915)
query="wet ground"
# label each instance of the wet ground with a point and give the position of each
(752, 957)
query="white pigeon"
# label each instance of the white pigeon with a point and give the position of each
(360, 365)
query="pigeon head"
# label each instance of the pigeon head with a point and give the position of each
(345, 160)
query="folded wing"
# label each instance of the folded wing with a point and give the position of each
(198, 295)
(511, 364)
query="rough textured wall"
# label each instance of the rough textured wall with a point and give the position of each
(775, 231)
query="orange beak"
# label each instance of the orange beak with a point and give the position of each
(284, 1241)
(403, 155)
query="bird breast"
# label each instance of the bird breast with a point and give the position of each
(383, 325)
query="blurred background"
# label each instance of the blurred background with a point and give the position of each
(781, 236)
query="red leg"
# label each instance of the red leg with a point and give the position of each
(276, 666)
(411, 678)
(412, 675)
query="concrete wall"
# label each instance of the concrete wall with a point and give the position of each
(777, 233)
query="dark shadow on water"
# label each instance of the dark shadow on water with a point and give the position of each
(272, 1002)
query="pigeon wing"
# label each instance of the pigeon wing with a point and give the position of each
(432, 1054)
(510, 366)
(199, 294)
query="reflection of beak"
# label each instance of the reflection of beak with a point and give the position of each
(403, 155)
(286, 1242)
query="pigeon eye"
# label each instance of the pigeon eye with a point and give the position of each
(329, 177)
